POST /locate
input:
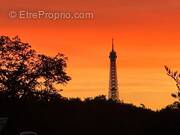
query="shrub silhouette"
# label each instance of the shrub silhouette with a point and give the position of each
(175, 75)
(25, 74)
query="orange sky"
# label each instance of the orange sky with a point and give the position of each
(146, 37)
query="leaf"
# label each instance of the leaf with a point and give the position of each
(174, 95)
(175, 73)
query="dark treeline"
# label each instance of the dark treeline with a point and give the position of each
(92, 116)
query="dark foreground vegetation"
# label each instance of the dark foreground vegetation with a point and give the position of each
(30, 99)
(96, 116)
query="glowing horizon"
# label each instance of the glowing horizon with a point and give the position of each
(146, 37)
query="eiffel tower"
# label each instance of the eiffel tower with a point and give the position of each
(113, 82)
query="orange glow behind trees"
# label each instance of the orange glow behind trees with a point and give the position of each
(146, 37)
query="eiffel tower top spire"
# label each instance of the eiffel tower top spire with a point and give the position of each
(112, 55)
(112, 44)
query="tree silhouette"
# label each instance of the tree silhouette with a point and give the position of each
(25, 73)
(176, 77)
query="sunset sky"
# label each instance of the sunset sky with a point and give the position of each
(146, 34)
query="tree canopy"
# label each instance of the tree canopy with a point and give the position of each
(24, 72)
